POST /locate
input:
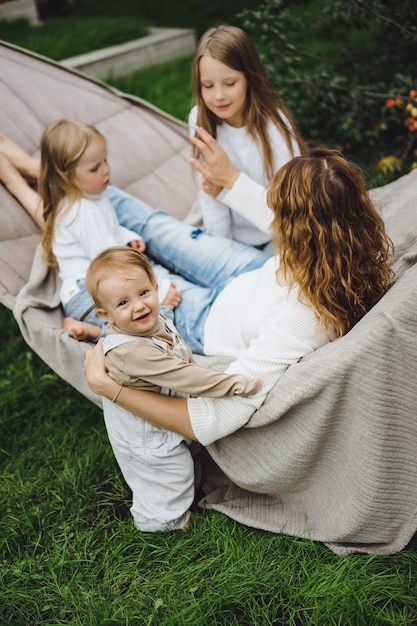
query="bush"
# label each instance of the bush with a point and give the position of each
(335, 63)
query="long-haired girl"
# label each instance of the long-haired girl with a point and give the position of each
(242, 132)
(79, 220)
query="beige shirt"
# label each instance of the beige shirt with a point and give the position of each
(161, 362)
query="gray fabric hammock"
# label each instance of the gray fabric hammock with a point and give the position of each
(332, 453)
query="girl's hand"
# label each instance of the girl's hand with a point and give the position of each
(138, 244)
(96, 373)
(173, 297)
(217, 168)
(212, 190)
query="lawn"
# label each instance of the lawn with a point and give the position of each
(71, 556)
(69, 553)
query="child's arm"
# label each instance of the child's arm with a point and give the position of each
(241, 192)
(141, 364)
(95, 226)
(210, 189)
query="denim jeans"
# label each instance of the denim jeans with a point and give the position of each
(202, 264)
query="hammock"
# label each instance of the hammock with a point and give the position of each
(332, 453)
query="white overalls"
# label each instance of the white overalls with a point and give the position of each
(156, 463)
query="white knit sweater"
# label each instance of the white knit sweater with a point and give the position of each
(266, 328)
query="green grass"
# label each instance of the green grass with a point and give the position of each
(185, 14)
(69, 553)
(91, 26)
(166, 86)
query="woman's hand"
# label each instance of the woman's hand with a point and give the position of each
(217, 169)
(164, 411)
(96, 373)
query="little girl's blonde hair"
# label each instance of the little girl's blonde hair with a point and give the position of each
(63, 143)
(233, 47)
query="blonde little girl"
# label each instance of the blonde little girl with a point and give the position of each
(76, 215)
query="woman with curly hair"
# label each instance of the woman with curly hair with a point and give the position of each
(331, 266)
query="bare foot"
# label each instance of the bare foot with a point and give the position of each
(82, 331)
(25, 163)
(21, 190)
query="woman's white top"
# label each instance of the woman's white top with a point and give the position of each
(267, 329)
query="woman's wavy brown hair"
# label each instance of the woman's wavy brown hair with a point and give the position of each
(62, 145)
(331, 239)
(233, 47)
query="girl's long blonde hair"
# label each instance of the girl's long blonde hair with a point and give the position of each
(233, 47)
(331, 239)
(62, 145)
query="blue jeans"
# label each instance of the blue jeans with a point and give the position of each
(202, 264)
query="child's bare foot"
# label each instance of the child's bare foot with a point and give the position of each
(25, 163)
(82, 331)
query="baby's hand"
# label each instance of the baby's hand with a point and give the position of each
(210, 189)
(173, 297)
(138, 244)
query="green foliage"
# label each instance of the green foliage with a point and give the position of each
(336, 62)
(167, 86)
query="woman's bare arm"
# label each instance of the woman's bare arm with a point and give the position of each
(164, 411)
